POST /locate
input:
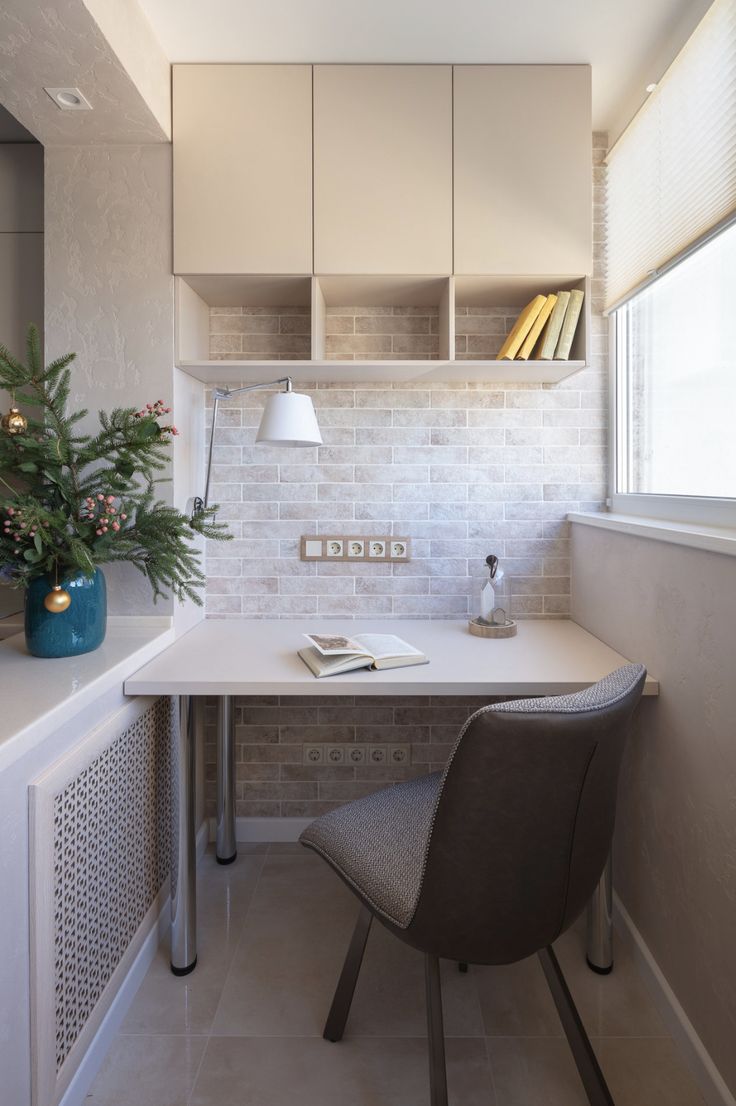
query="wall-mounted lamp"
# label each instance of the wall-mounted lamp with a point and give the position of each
(288, 419)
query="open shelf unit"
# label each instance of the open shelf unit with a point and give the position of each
(486, 304)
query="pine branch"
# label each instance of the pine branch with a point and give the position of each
(86, 500)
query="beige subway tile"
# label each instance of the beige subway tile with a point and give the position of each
(358, 343)
(392, 324)
(339, 324)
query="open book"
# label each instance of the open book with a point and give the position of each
(330, 654)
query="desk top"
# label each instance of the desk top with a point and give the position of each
(258, 657)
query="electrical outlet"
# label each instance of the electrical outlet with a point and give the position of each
(313, 754)
(345, 547)
(399, 754)
(376, 754)
(355, 754)
(335, 754)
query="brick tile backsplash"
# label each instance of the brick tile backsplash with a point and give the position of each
(464, 469)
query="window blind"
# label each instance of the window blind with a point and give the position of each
(672, 174)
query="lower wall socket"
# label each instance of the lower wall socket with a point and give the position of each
(357, 753)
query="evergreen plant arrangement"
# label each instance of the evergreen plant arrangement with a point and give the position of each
(70, 502)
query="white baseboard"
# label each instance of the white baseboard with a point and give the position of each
(710, 1081)
(97, 1050)
(265, 830)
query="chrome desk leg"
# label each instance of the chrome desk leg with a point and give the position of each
(184, 858)
(226, 849)
(600, 924)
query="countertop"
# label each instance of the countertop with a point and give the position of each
(38, 696)
(259, 657)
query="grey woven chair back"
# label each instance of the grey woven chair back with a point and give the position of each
(524, 822)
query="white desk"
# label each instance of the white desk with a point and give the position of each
(258, 657)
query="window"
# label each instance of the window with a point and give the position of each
(671, 281)
(676, 379)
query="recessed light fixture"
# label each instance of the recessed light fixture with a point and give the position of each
(651, 87)
(69, 99)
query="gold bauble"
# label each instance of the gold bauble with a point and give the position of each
(14, 422)
(57, 600)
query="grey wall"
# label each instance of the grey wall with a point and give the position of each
(21, 257)
(674, 609)
(109, 292)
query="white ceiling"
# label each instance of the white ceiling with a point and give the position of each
(628, 42)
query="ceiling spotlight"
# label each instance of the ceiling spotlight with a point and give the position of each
(651, 87)
(69, 99)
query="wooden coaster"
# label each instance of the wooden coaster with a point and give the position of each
(486, 629)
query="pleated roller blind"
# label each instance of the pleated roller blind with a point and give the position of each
(672, 174)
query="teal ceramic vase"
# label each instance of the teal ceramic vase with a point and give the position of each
(78, 629)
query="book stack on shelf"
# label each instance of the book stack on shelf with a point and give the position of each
(545, 329)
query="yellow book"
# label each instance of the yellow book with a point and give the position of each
(521, 328)
(531, 338)
(548, 342)
(562, 353)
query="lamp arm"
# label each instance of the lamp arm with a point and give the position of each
(227, 393)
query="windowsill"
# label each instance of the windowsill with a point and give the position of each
(714, 539)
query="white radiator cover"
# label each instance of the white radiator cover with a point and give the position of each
(100, 828)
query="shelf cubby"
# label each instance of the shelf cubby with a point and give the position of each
(353, 329)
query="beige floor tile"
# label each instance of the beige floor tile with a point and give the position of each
(534, 1071)
(148, 1071)
(283, 974)
(389, 999)
(646, 1072)
(167, 1004)
(516, 1002)
(312, 1072)
(615, 1005)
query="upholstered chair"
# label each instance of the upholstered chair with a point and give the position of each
(493, 859)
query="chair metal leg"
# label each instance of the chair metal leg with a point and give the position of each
(226, 850)
(338, 1015)
(600, 924)
(585, 1060)
(435, 1032)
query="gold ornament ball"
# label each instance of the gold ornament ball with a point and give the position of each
(14, 422)
(57, 600)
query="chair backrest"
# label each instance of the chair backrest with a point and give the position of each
(524, 822)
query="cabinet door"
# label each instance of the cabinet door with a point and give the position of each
(383, 169)
(242, 168)
(523, 177)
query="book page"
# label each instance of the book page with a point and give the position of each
(336, 645)
(386, 645)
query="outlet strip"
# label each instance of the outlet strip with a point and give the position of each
(361, 548)
(357, 754)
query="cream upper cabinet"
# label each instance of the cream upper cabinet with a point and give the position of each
(523, 178)
(242, 168)
(383, 169)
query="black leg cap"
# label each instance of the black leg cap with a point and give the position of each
(184, 971)
(598, 970)
(226, 859)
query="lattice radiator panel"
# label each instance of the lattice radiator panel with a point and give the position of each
(107, 810)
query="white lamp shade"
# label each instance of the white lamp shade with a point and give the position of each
(289, 419)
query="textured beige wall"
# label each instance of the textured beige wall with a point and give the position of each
(674, 609)
(58, 43)
(109, 292)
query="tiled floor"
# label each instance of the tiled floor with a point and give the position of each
(245, 1028)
